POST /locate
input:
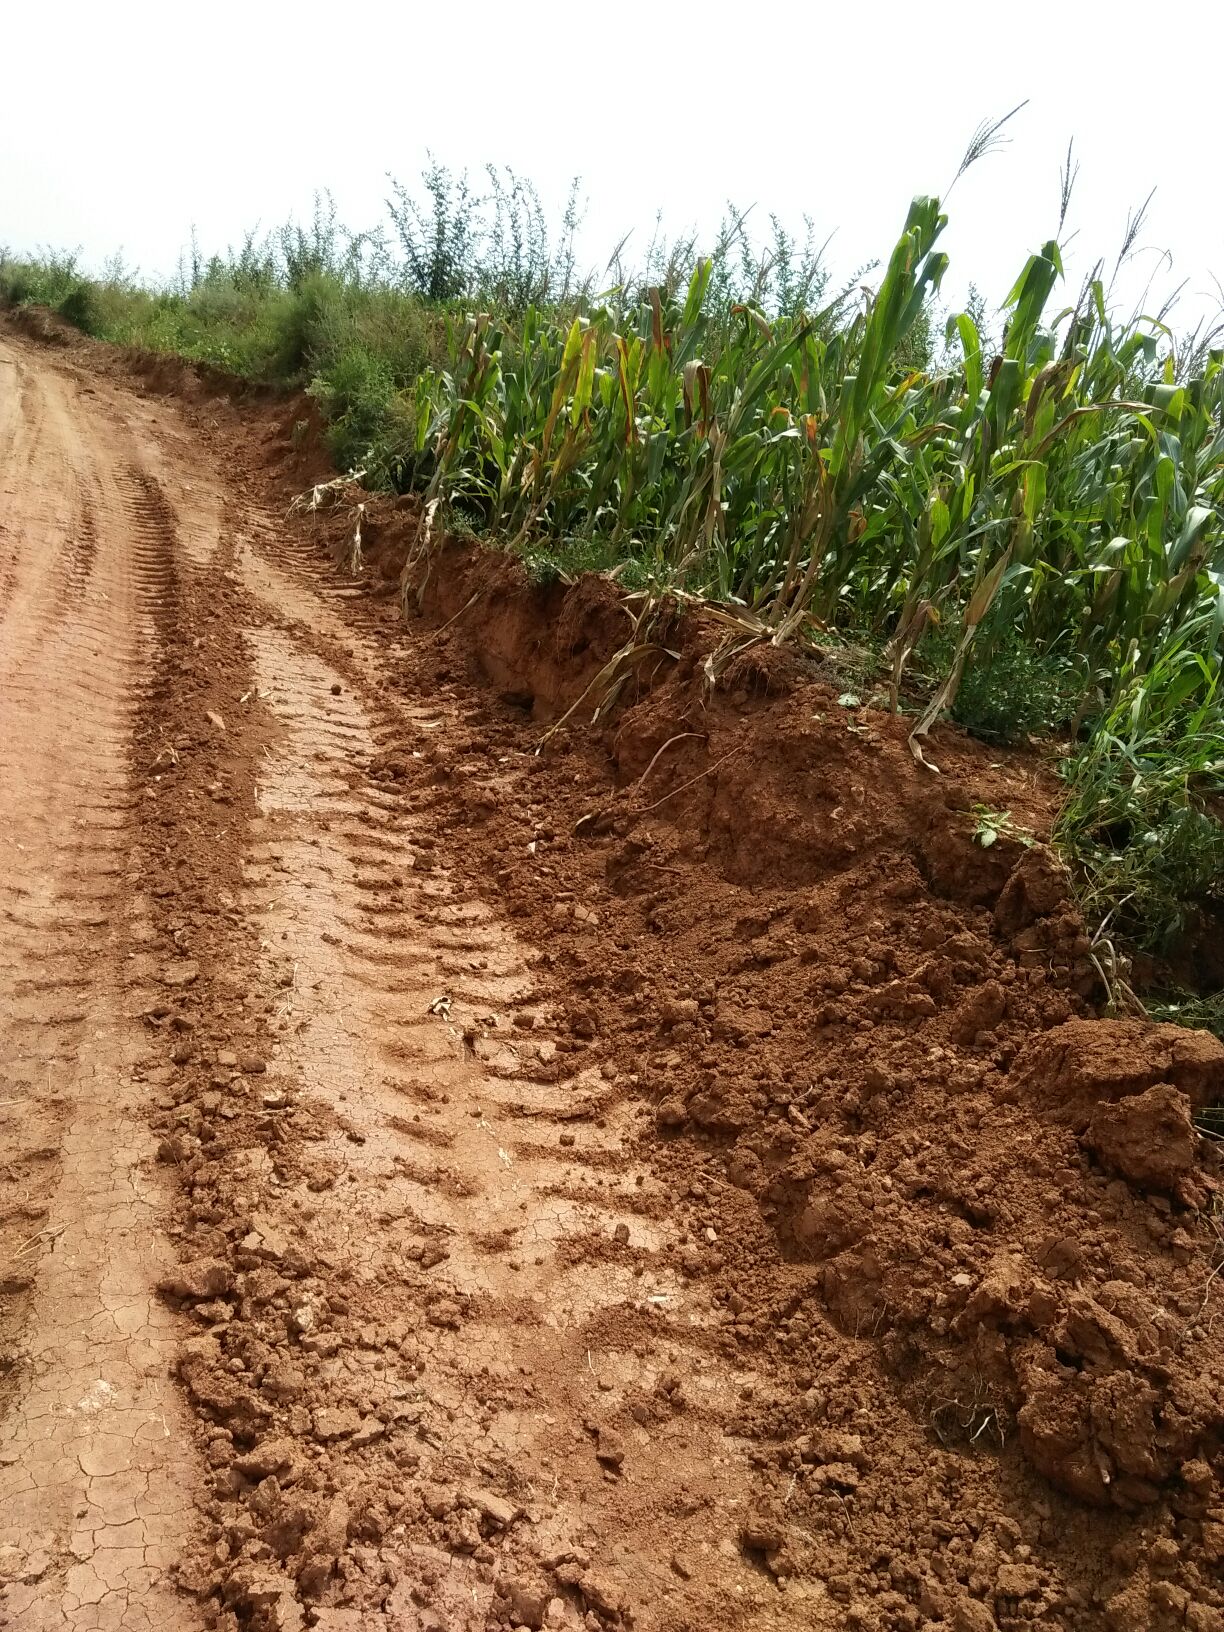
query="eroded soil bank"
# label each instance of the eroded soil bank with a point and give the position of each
(674, 1178)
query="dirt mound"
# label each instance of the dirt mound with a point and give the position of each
(860, 1037)
(858, 1024)
(42, 325)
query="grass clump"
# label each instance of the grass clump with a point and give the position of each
(356, 393)
(1142, 817)
(565, 560)
(1011, 690)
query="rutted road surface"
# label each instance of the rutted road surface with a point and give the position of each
(222, 945)
(96, 1457)
(414, 1218)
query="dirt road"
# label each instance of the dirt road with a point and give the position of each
(385, 1240)
(476, 1255)
(95, 1453)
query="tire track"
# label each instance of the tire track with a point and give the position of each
(94, 1459)
(465, 1165)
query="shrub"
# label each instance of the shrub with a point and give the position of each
(357, 397)
(1010, 690)
(16, 285)
(79, 308)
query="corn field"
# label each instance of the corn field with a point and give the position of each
(1061, 497)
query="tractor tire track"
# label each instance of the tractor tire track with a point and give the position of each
(95, 1453)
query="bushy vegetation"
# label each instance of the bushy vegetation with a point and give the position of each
(1026, 528)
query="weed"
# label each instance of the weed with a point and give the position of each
(79, 308)
(1201, 1013)
(1010, 689)
(565, 560)
(989, 826)
(1139, 822)
(357, 396)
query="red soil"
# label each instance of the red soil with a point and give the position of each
(950, 1240)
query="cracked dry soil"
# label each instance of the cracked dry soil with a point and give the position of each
(414, 1218)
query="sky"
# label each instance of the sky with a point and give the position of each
(125, 124)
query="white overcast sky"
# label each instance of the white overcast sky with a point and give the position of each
(124, 123)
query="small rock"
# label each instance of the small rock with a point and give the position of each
(207, 1278)
(286, 1614)
(462, 1532)
(252, 1064)
(1018, 1580)
(528, 1602)
(495, 1508)
(601, 1594)
(610, 1448)
(621, 1234)
(181, 974)
(1148, 1138)
(255, 1587)
(335, 1422)
(369, 1431)
(971, 1616)
(761, 1532)
(583, 1023)
(671, 1112)
(332, 1534)
(683, 1566)
(274, 1456)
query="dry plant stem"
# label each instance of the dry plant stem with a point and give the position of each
(1207, 1285)
(466, 607)
(644, 810)
(313, 498)
(604, 810)
(354, 563)
(681, 736)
